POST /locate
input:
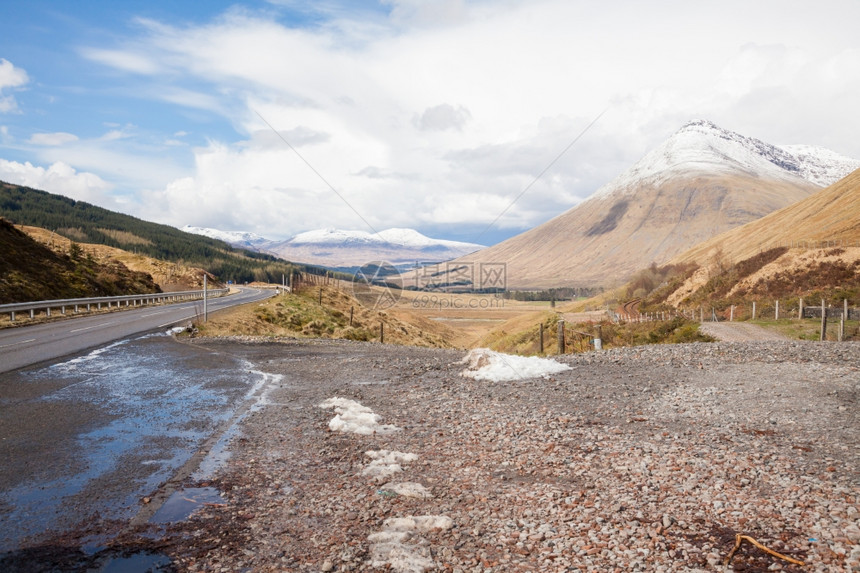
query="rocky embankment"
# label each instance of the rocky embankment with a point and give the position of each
(642, 459)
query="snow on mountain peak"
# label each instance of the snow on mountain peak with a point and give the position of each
(820, 165)
(231, 237)
(702, 147)
(395, 236)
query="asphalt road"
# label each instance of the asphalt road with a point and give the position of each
(28, 345)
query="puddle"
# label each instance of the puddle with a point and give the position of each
(184, 502)
(137, 563)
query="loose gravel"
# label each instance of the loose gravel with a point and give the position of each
(640, 459)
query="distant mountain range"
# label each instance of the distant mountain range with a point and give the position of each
(700, 182)
(349, 250)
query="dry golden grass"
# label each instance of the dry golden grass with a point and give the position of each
(125, 237)
(832, 214)
(300, 315)
(170, 277)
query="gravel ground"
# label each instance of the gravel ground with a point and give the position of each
(740, 332)
(643, 459)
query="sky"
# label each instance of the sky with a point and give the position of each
(466, 120)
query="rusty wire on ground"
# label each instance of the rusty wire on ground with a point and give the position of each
(739, 538)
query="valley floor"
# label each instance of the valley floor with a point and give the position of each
(638, 459)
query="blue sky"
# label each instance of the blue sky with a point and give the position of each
(430, 115)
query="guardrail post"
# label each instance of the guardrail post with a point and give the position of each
(76, 309)
(48, 311)
(12, 316)
(62, 310)
(32, 314)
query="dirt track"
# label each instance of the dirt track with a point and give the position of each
(739, 332)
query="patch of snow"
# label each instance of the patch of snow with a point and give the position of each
(400, 546)
(385, 463)
(355, 418)
(485, 364)
(408, 489)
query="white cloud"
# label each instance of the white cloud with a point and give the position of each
(58, 138)
(10, 77)
(58, 178)
(442, 114)
(138, 63)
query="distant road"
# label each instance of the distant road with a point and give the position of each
(739, 332)
(27, 345)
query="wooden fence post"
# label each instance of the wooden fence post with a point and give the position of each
(382, 333)
(541, 338)
(351, 310)
(823, 321)
(800, 310)
(561, 336)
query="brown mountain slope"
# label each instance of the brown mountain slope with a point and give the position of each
(605, 239)
(832, 214)
(700, 182)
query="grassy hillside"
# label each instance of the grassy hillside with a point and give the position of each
(300, 315)
(32, 271)
(832, 214)
(86, 223)
(171, 277)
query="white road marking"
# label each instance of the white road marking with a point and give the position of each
(17, 343)
(93, 326)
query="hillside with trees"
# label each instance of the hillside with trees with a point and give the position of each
(32, 271)
(85, 223)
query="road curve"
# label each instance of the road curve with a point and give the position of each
(27, 345)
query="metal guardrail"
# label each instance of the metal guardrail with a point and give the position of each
(129, 300)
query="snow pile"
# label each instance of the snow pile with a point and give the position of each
(400, 546)
(386, 463)
(408, 489)
(353, 417)
(485, 364)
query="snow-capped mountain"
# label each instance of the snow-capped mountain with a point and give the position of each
(821, 165)
(700, 146)
(338, 248)
(703, 180)
(398, 237)
(240, 239)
